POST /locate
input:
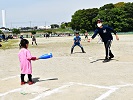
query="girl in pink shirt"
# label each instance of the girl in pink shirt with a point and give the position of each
(25, 58)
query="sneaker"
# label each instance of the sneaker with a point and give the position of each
(84, 52)
(106, 60)
(30, 83)
(22, 83)
(111, 57)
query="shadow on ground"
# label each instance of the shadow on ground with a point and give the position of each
(103, 60)
(37, 79)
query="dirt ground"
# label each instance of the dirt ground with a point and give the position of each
(77, 76)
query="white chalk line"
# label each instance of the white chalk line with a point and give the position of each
(105, 95)
(91, 85)
(114, 88)
(90, 58)
(11, 91)
(111, 89)
(120, 86)
(48, 93)
(9, 77)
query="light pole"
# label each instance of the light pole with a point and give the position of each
(4, 18)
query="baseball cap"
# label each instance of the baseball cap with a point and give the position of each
(99, 20)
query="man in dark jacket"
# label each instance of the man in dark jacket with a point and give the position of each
(105, 34)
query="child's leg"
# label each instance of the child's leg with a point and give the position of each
(35, 43)
(81, 48)
(30, 77)
(72, 48)
(22, 77)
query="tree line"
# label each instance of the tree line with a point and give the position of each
(119, 16)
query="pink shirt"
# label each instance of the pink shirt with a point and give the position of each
(25, 61)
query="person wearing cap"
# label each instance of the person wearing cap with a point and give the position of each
(105, 34)
(77, 40)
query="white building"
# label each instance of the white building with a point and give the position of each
(43, 27)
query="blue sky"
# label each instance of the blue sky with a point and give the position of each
(45, 12)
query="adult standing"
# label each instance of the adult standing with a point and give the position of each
(105, 34)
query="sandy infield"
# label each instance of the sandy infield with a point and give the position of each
(80, 76)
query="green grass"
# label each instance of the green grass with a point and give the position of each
(9, 44)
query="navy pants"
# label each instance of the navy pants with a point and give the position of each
(77, 45)
(107, 45)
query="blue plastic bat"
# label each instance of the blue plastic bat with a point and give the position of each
(46, 56)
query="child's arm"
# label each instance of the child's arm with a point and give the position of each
(34, 58)
(29, 57)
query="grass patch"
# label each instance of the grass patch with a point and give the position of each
(9, 44)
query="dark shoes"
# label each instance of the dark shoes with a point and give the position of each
(83, 52)
(30, 83)
(111, 57)
(106, 60)
(22, 83)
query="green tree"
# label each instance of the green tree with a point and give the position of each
(119, 4)
(107, 6)
(114, 17)
(54, 26)
(128, 8)
(33, 32)
(119, 16)
(48, 31)
(63, 25)
(15, 31)
(1, 32)
(82, 31)
(82, 19)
